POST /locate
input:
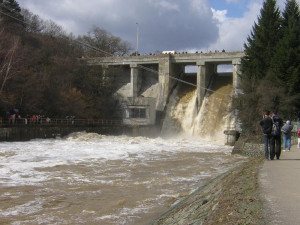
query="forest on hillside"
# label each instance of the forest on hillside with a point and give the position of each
(42, 71)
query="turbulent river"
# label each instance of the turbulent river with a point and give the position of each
(88, 178)
(93, 179)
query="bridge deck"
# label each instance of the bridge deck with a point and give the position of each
(189, 58)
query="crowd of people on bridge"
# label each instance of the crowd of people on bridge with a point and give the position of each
(14, 117)
(172, 53)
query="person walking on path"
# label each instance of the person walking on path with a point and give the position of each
(266, 125)
(276, 136)
(298, 133)
(287, 135)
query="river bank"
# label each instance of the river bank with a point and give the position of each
(231, 198)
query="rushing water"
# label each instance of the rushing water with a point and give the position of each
(93, 179)
(88, 178)
(184, 117)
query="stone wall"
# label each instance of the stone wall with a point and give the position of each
(248, 149)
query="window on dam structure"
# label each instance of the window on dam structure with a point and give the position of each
(137, 113)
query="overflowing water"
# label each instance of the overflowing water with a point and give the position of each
(88, 178)
(185, 118)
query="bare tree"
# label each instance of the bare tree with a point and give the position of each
(33, 22)
(104, 43)
(8, 57)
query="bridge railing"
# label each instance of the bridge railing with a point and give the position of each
(60, 122)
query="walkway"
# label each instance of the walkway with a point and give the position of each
(280, 182)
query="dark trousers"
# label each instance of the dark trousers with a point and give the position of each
(268, 140)
(275, 146)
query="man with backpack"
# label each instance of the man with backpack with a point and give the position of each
(266, 125)
(276, 136)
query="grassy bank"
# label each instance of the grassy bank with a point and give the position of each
(232, 198)
(240, 201)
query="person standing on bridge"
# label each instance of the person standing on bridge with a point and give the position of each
(266, 124)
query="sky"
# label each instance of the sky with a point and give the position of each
(158, 25)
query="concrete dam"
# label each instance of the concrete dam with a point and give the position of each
(152, 83)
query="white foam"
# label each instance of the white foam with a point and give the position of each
(23, 161)
(24, 209)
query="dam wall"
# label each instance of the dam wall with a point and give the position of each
(155, 76)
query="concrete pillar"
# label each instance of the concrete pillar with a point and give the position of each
(104, 75)
(201, 82)
(235, 75)
(134, 75)
(164, 70)
(235, 87)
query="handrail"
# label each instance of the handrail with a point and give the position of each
(59, 122)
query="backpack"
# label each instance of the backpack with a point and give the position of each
(286, 129)
(276, 128)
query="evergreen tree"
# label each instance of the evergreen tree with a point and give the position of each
(261, 44)
(255, 67)
(11, 17)
(286, 62)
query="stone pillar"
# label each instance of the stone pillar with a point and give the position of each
(201, 82)
(134, 75)
(235, 75)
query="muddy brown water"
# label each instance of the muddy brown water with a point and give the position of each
(94, 179)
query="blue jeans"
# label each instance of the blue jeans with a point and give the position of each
(286, 142)
(267, 140)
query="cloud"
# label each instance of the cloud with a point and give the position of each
(232, 1)
(233, 32)
(163, 24)
(166, 6)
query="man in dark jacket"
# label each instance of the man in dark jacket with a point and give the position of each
(276, 135)
(266, 124)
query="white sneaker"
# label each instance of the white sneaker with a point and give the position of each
(284, 150)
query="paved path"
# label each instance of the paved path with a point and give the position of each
(280, 185)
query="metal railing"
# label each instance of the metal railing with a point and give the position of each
(60, 122)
